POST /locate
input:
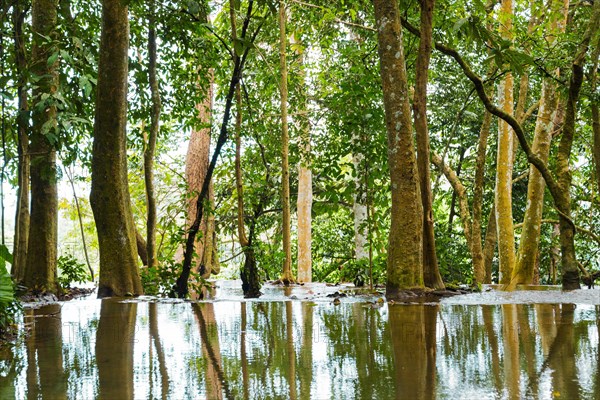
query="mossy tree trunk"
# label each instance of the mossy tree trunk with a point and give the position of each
(40, 268)
(287, 276)
(109, 197)
(405, 244)
(22, 213)
(596, 113)
(504, 162)
(530, 234)
(431, 273)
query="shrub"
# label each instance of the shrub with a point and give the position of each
(71, 271)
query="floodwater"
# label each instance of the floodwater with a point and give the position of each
(299, 345)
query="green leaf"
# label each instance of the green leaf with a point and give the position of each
(52, 59)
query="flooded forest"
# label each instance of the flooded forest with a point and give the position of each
(299, 199)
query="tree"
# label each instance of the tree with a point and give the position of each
(544, 127)
(504, 163)
(22, 213)
(405, 257)
(305, 192)
(431, 274)
(286, 277)
(150, 148)
(40, 268)
(109, 197)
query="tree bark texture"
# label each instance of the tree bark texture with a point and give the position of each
(570, 268)
(479, 271)
(40, 267)
(287, 276)
(431, 273)
(504, 161)
(530, 234)
(305, 193)
(22, 213)
(150, 149)
(405, 244)
(109, 197)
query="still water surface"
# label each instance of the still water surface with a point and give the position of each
(301, 349)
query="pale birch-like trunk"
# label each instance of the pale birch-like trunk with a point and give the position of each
(504, 162)
(405, 245)
(359, 206)
(305, 194)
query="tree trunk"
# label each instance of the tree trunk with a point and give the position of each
(570, 269)
(479, 270)
(405, 244)
(40, 270)
(109, 197)
(150, 149)
(305, 194)
(22, 213)
(359, 207)
(596, 113)
(287, 277)
(196, 169)
(249, 272)
(489, 244)
(504, 163)
(181, 286)
(530, 234)
(431, 273)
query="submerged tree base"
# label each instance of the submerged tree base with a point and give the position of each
(249, 275)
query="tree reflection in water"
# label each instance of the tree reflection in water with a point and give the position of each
(123, 349)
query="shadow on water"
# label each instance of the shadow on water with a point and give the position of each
(149, 349)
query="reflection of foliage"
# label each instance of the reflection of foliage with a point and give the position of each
(71, 271)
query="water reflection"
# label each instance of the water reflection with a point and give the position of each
(117, 349)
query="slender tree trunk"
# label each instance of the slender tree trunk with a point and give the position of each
(196, 169)
(181, 286)
(359, 207)
(287, 277)
(489, 244)
(249, 272)
(22, 213)
(150, 149)
(451, 214)
(405, 245)
(504, 163)
(431, 273)
(40, 269)
(479, 270)
(596, 113)
(109, 197)
(530, 234)
(570, 268)
(80, 220)
(305, 194)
